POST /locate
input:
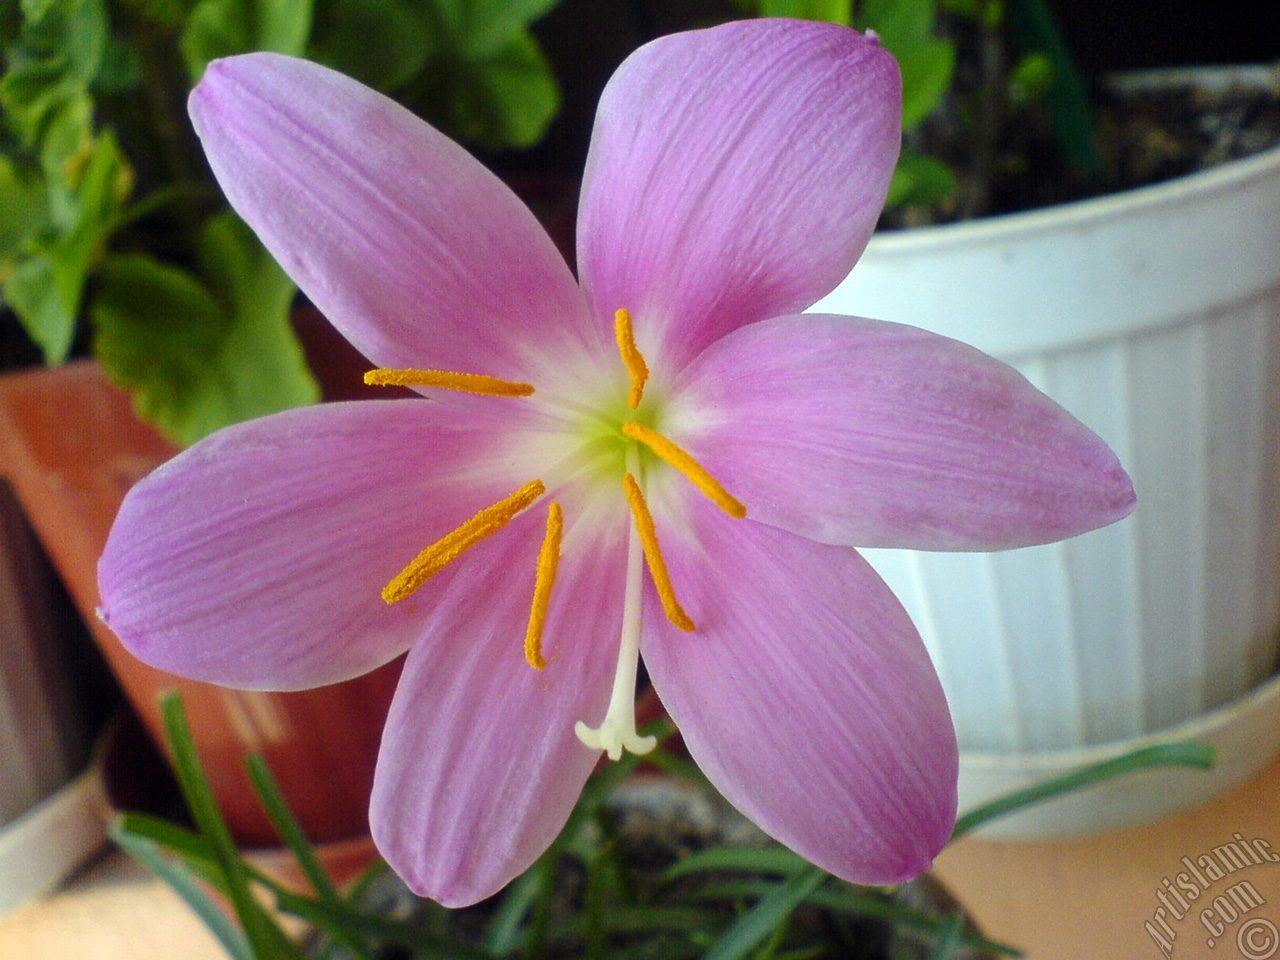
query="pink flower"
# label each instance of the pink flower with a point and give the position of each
(672, 406)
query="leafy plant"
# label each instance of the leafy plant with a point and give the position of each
(584, 897)
(1041, 71)
(109, 213)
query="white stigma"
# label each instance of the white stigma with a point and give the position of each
(617, 732)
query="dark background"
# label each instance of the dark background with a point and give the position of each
(587, 39)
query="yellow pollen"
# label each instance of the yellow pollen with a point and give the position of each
(548, 561)
(449, 547)
(690, 467)
(657, 566)
(632, 358)
(465, 382)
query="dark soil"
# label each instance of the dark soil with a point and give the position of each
(1147, 131)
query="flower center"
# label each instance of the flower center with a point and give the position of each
(617, 731)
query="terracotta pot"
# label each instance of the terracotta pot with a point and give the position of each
(71, 447)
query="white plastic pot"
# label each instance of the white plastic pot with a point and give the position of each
(1153, 316)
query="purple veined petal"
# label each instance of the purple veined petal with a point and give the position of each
(257, 557)
(734, 174)
(419, 255)
(479, 766)
(806, 696)
(874, 434)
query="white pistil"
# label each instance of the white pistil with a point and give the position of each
(617, 732)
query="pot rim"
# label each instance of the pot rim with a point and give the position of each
(1090, 212)
(1202, 727)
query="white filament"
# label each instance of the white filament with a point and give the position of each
(617, 732)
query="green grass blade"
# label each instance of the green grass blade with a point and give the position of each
(846, 899)
(267, 940)
(503, 935)
(1035, 28)
(746, 859)
(646, 920)
(188, 846)
(593, 910)
(185, 883)
(1162, 755)
(282, 818)
(950, 938)
(286, 824)
(340, 916)
(773, 909)
(679, 767)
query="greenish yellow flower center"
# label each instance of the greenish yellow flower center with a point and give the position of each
(634, 435)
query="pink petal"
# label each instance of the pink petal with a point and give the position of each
(853, 431)
(420, 256)
(806, 695)
(734, 174)
(480, 766)
(257, 557)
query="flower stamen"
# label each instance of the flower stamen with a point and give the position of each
(632, 358)
(690, 467)
(548, 561)
(449, 547)
(444, 380)
(657, 566)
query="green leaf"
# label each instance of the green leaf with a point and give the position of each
(927, 62)
(167, 14)
(199, 356)
(645, 919)
(121, 71)
(504, 932)
(1031, 78)
(282, 818)
(189, 847)
(266, 940)
(919, 180)
(505, 100)
(67, 143)
(927, 67)
(284, 25)
(45, 300)
(850, 900)
(186, 885)
(56, 58)
(10, 23)
(382, 43)
(22, 210)
(222, 28)
(491, 25)
(34, 10)
(290, 831)
(1034, 27)
(45, 296)
(46, 284)
(332, 917)
(1196, 755)
(950, 939)
(832, 11)
(773, 909)
(768, 859)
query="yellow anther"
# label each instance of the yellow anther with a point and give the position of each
(548, 561)
(442, 379)
(657, 566)
(690, 467)
(632, 358)
(448, 548)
